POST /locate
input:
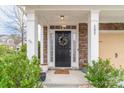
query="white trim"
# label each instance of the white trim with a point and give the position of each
(72, 32)
(93, 36)
(77, 46)
(74, 7)
(41, 45)
(32, 35)
(73, 65)
(48, 48)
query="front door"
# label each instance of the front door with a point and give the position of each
(63, 48)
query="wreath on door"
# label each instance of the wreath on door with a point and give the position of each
(63, 40)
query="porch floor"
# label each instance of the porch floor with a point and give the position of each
(74, 79)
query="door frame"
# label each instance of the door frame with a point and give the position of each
(74, 65)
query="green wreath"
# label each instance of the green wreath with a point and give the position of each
(63, 40)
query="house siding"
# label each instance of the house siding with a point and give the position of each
(112, 48)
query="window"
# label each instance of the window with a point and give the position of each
(51, 47)
(60, 27)
(74, 47)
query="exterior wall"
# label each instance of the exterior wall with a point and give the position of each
(110, 44)
(111, 26)
(45, 44)
(118, 38)
(83, 43)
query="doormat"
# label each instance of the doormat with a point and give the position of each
(62, 71)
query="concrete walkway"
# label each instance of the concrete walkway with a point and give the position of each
(72, 80)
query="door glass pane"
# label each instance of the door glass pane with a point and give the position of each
(51, 47)
(74, 47)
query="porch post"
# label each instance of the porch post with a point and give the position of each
(93, 36)
(32, 35)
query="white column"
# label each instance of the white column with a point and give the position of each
(32, 35)
(93, 36)
(41, 46)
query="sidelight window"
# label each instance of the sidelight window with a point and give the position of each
(51, 47)
(74, 47)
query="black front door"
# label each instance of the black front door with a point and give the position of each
(63, 48)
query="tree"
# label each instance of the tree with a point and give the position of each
(15, 20)
(16, 38)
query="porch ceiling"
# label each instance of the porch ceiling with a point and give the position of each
(112, 16)
(74, 14)
(70, 17)
(74, 17)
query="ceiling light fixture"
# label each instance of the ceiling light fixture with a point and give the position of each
(62, 17)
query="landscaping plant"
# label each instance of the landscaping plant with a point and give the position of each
(102, 75)
(4, 50)
(17, 71)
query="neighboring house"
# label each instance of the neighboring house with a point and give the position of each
(12, 43)
(18, 45)
(5, 40)
(74, 35)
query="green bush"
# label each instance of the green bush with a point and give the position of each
(23, 48)
(4, 50)
(102, 75)
(16, 71)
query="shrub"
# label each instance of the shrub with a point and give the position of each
(102, 75)
(4, 50)
(17, 71)
(23, 48)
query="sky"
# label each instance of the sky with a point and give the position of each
(3, 18)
